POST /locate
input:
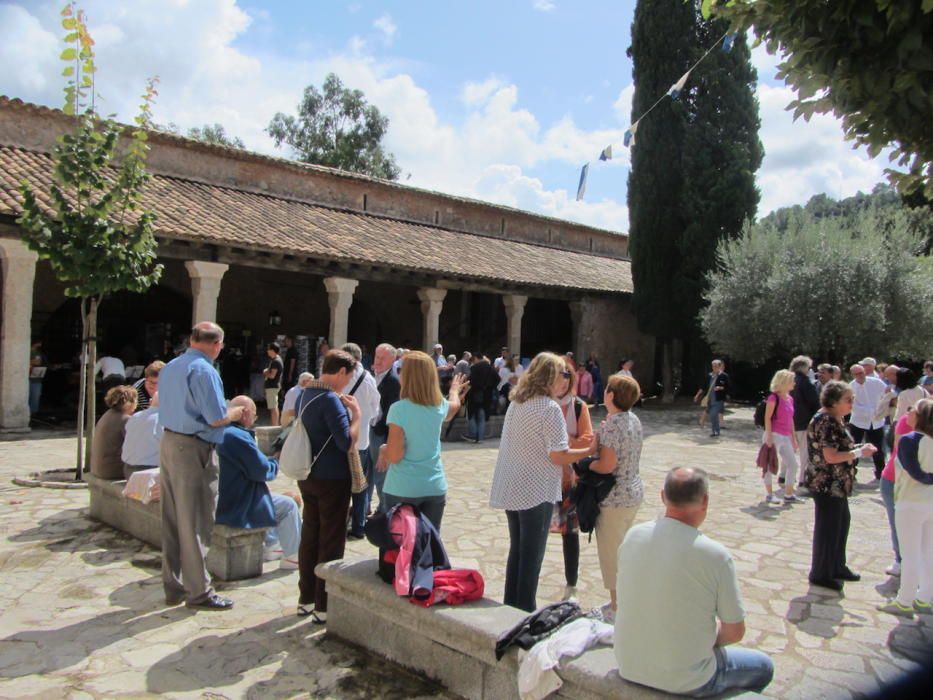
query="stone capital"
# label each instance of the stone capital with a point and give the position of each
(339, 299)
(432, 294)
(205, 288)
(514, 303)
(201, 269)
(340, 285)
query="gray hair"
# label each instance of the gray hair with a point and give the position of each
(355, 351)
(825, 368)
(387, 347)
(801, 363)
(834, 392)
(207, 332)
(686, 486)
(305, 377)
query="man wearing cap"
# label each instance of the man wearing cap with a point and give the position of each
(193, 413)
(870, 365)
(864, 424)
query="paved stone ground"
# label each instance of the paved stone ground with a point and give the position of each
(82, 614)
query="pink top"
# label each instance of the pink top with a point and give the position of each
(782, 420)
(584, 384)
(902, 428)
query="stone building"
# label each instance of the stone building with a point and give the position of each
(267, 246)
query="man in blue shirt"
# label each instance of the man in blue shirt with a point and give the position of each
(193, 414)
(244, 500)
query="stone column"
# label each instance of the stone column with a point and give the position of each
(19, 273)
(205, 288)
(514, 310)
(432, 301)
(339, 297)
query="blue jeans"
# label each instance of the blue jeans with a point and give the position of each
(287, 531)
(478, 423)
(737, 667)
(379, 478)
(360, 508)
(527, 541)
(887, 495)
(432, 507)
(35, 393)
(715, 409)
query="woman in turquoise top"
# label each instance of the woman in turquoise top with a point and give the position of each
(412, 453)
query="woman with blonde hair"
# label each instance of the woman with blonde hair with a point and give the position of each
(526, 483)
(579, 434)
(620, 439)
(779, 434)
(412, 452)
(107, 452)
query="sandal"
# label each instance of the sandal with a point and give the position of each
(318, 617)
(305, 610)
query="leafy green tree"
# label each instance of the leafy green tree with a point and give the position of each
(337, 128)
(869, 62)
(94, 231)
(215, 134)
(693, 168)
(831, 287)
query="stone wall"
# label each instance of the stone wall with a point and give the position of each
(607, 326)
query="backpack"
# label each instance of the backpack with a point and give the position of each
(297, 458)
(760, 411)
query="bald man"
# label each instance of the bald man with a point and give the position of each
(194, 414)
(244, 499)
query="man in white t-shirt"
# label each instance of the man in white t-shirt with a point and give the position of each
(679, 602)
(865, 424)
(291, 397)
(500, 361)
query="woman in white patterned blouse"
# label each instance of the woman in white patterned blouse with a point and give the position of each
(619, 454)
(526, 484)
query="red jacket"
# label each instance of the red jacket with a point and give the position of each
(454, 586)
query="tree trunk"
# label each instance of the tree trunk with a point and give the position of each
(667, 375)
(82, 393)
(89, 378)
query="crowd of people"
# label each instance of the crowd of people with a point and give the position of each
(375, 433)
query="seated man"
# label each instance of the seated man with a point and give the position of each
(243, 498)
(291, 397)
(679, 602)
(143, 439)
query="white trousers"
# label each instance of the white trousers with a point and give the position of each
(787, 457)
(802, 453)
(914, 523)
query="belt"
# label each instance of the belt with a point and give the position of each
(187, 435)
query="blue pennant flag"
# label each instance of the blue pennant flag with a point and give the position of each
(728, 42)
(581, 188)
(607, 153)
(678, 87)
(628, 139)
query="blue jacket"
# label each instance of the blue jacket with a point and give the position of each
(243, 498)
(326, 418)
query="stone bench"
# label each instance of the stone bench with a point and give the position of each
(234, 553)
(454, 645)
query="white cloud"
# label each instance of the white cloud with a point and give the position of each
(623, 104)
(544, 5)
(477, 94)
(388, 28)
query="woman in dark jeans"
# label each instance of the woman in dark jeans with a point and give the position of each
(834, 457)
(333, 424)
(526, 484)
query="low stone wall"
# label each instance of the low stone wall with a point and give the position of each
(234, 553)
(454, 645)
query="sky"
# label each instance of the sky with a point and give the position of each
(499, 101)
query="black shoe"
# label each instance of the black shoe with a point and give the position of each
(714, 434)
(354, 535)
(832, 584)
(212, 602)
(468, 438)
(849, 575)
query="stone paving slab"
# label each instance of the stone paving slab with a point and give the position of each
(82, 613)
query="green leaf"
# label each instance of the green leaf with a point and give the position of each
(68, 71)
(69, 23)
(69, 54)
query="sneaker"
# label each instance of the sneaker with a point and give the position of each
(468, 438)
(895, 608)
(923, 607)
(570, 593)
(288, 564)
(771, 498)
(273, 553)
(894, 569)
(790, 499)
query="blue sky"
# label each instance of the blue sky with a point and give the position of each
(501, 101)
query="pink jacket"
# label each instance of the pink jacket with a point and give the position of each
(584, 386)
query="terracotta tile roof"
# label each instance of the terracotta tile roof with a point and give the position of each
(208, 213)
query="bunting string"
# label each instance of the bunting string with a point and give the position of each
(628, 139)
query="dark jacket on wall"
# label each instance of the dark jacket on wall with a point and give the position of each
(806, 401)
(389, 390)
(243, 499)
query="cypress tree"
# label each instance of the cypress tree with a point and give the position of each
(693, 167)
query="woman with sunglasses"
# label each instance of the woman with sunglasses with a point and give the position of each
(834, 457)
